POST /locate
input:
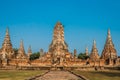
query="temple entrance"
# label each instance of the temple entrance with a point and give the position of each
(60, 68)
(114, 61)
(110, 61)
(58, 60)
(107, 62)
(57, 67)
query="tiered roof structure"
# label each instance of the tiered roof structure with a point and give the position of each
(29, 52)
(94, 53)
(109, 51)
(58, 48)
(21, 52)
(7, 50)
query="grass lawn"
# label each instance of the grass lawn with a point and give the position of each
(17, 75)
(100, 75)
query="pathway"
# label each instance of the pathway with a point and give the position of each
(59, 75)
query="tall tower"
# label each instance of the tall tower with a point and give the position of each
(21, 52)
(86, 51)
(58, 45)
(94, 53)
(7, 49)
(41, 53)
(109, 52)
(58, 48)
(58, 35)
(75, 53)
(29, 52)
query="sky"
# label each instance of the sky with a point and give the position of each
(84, 21)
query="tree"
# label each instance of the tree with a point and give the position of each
(34, 56)
(15, 49)
(82, 56)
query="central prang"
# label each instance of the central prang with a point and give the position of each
(58, 48)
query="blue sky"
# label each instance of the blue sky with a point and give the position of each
(84, 20)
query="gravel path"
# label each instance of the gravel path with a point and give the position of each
(59, 75)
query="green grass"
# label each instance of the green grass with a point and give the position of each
(17, 75)
(100, 75)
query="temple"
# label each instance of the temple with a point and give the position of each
(94, 52)
(109, 52)
(58, 54)
(59, 48)
(7, 51)
(21, 52)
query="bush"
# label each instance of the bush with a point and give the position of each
(82, 56)
(34, 56)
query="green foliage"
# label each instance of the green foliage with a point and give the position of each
(82, 56)
(72, 53)
(35, 55)
(15, 49)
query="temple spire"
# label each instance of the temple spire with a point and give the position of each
(86, 51)
(58, 37)
(75, 53)
(41, 53)
(29, 52)
(7, 31)
(94, 44)
(109, 36)
(7, 41)
(109, 52)
(94, 53)
(109, 39)
(21, 51)
(58, 48)
(58, 22)
(7, 46)
(21, 45)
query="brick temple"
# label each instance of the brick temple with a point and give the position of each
(58, 54)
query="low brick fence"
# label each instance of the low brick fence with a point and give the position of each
(56, 68)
